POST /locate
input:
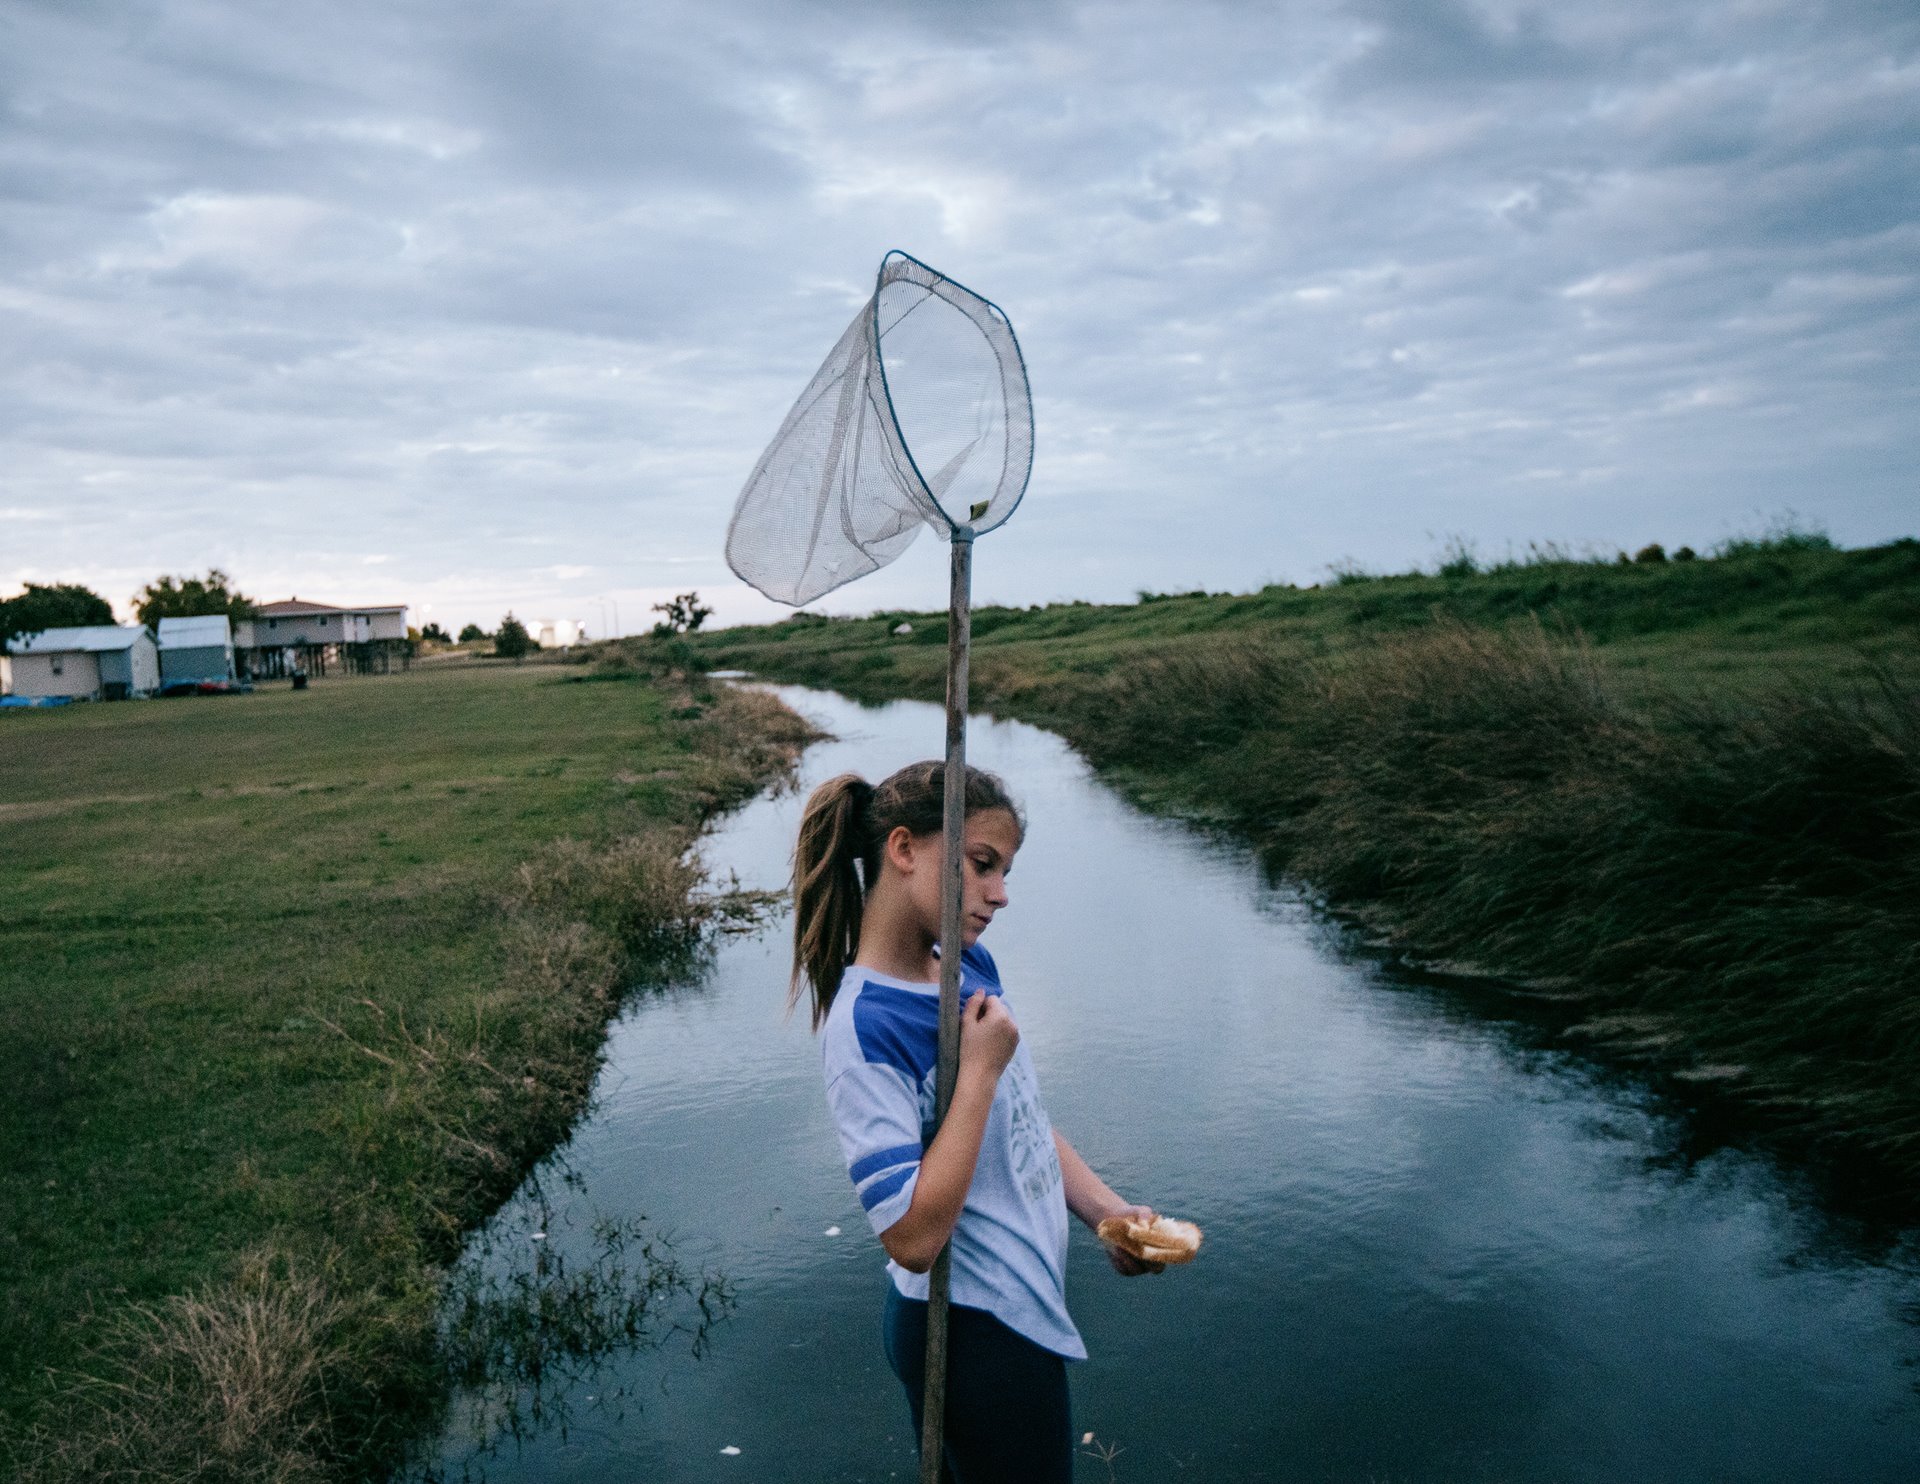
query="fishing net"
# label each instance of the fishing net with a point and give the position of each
(920, 417)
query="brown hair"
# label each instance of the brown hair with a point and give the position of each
(837, 860)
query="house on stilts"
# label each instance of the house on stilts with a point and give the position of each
(297, 636)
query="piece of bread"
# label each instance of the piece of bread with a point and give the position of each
(1161, 1240)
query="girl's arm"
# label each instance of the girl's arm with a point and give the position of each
(1093, 1201)
(988, 1037)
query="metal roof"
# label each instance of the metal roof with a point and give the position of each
(208, 631)
(294, 607)
(92, 638)
(291, 607)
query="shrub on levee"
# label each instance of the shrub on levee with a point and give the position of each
(512, 641)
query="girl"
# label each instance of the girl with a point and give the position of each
(997, 1181)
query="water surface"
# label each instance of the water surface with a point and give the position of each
(1437, 1249)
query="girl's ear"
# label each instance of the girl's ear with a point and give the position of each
(898, 849)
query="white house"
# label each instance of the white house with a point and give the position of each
(283, 637)
(556, 633)
(196, 648)
(98, 662)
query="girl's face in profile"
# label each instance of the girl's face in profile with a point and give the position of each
(990, 842)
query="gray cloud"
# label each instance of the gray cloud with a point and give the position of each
(509, 297)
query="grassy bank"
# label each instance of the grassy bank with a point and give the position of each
(297, 987)
(1717, 623)
(1684, 798)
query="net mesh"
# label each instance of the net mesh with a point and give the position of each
(920, 416)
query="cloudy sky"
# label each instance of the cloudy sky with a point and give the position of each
(477, 304)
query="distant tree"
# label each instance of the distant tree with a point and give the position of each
(1653, 552)
(191, 597)
(1685, 554)
(683, 615)
(59, 605)
(434, 632)
(511, 640)
(473, 634)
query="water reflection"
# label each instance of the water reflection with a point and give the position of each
(1439, 1247)
(542, 1307)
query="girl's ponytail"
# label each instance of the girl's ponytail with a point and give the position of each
(835, 858)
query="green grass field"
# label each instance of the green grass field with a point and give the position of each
(1682, 798)
(276, 988)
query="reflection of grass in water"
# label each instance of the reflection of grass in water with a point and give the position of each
(524, 1325)
(1105, 1452)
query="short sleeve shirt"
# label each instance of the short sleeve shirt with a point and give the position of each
(878, 1050)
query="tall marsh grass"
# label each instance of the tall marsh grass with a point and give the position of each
(1733, 883)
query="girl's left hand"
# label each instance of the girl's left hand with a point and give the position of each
(1125, 1263)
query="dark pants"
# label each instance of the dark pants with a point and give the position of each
(1009, 1420)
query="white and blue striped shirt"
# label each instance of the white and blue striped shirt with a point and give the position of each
(1010, 1248)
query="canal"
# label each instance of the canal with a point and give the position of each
(1438, 1247)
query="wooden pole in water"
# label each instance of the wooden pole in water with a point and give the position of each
(947, 1065)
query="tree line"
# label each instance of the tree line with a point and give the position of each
(68, 605)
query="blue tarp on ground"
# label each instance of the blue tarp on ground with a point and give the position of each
(21, 702)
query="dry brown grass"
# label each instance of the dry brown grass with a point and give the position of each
(230, 1384)
(640, 890)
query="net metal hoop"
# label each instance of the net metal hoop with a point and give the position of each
(994, 326)
(920, 415)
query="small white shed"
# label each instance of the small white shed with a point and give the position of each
(196, 648)
(99, 662)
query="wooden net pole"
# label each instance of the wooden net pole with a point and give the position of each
(952, 936)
